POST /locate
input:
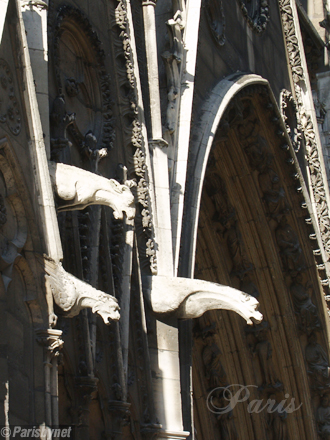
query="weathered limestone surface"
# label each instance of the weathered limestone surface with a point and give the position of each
(142, 145)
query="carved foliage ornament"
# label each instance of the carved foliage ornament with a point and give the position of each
(290, 114)
(313, 157)
(256, 12)
(133, 138)
(9, 109)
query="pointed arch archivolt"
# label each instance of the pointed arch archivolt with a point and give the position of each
(203, 135)
(251, 227)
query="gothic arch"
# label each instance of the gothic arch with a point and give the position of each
(251, 228)
(203, 135)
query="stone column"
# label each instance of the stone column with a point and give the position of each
(164, 351)
(86, 387)
(3, 13)
(51, 340)
(125, 287)
(35, 21)
(158, 146)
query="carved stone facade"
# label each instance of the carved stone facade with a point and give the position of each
(153, 194)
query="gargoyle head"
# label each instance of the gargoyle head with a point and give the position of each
(107, 307)
(124, 203)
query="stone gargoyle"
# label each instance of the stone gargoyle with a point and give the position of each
(78, 188)
(72, 295)
(187, 298)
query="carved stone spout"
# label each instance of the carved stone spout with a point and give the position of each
(72, 295)
(189, 298)
(77, 188)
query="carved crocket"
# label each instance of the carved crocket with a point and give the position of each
(72, 295)
(78, 188)
(188, 298)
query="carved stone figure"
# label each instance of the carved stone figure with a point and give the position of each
(72, 295)
(317, 361)
(216, 19)
(226, 421)
(94, 154)
(323, 418)
(172, 60)
(258, 153)
(276, 421)
(236, 247)
(213, 369)
(249, 287)
(263, 350)
(304, 308)
(290, 250)
(60, 120)
(173, 91)
(189, 298)
(175, 26)
(217, 191)
(78, 188)
(273, 193)
(72, 87)
(248, 126)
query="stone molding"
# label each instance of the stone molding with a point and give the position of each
(149, 2)
(51, 340)
(34, 4)
(318, 181)
(171, 435)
